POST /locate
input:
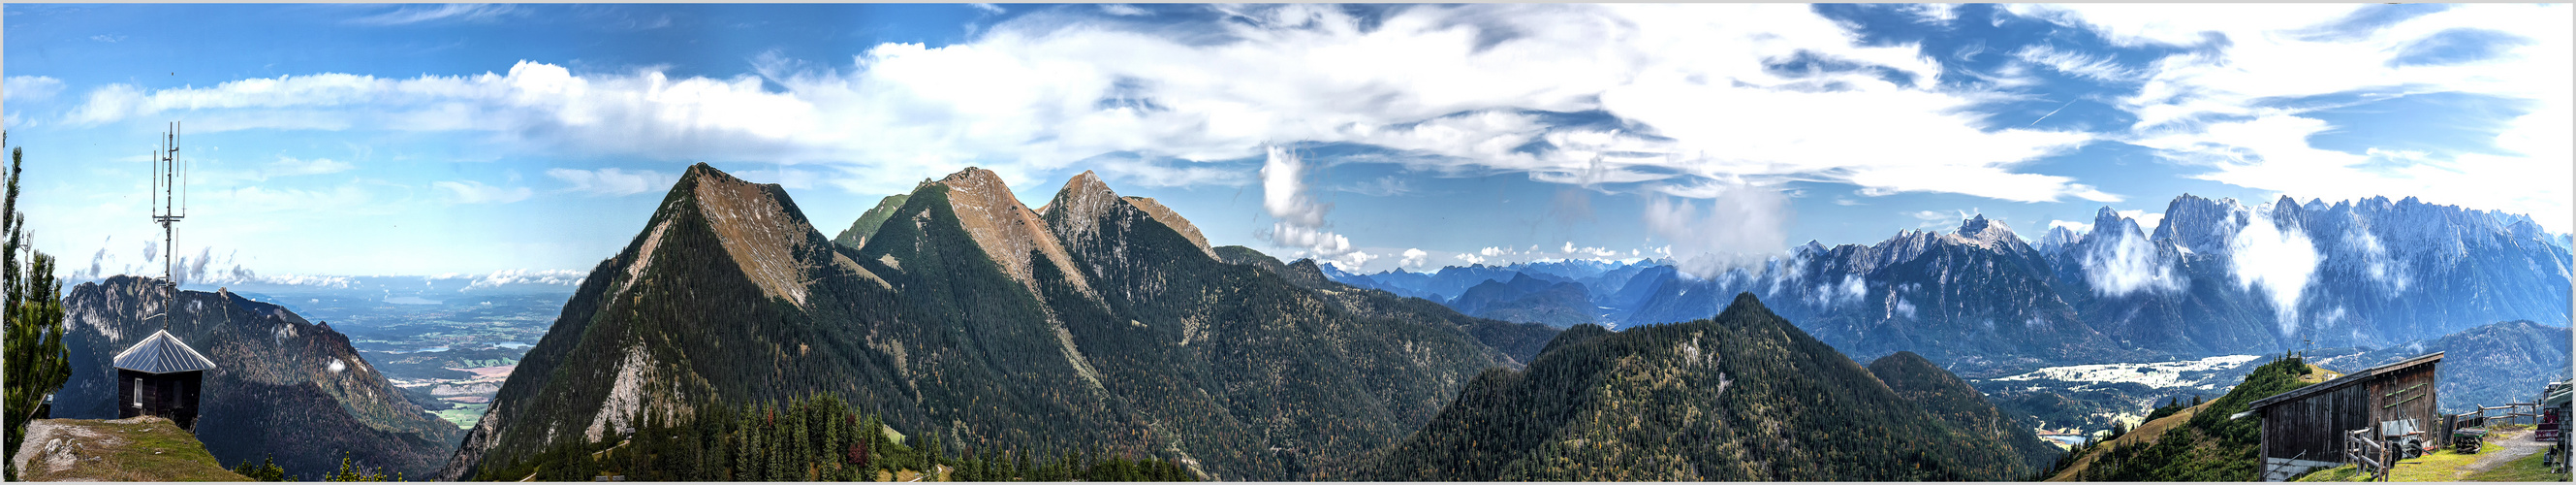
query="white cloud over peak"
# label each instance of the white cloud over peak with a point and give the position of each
(1743, 226)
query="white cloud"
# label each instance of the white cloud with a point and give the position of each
(1056, 87)
(612, 181)
(2202, 108)
(2279, 257)
(2120, 263)
(1470, 259)
(412, 14)
(2146, 221)
(1123, 10)
(564, 277)
(291, 166)
(2078, 64)
(1743, 226)
(2077, 227)
(472, 192)
(1413, 257)
(1301, 219)
(1350, 261)
(29, 88)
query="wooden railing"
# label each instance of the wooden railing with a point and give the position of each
(2367, 453)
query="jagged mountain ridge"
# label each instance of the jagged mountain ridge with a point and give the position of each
(1111, 329)
(2384, 273)
(282, 386)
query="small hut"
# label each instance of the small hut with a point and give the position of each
(2305, 428)
(160, 376)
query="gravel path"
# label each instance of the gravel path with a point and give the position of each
(2506, 447)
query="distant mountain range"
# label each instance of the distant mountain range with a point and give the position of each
(281, 387)
(1096, 322)
(2505, 362)
(2216, 277)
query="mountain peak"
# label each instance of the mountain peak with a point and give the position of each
(757, 224)
(1006, 229)
(1987, 233)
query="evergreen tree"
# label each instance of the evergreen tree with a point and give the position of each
(266, 471)
(35, 361)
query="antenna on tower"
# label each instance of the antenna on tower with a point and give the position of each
(169, 205)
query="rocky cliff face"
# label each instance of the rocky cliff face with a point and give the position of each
(281, 385)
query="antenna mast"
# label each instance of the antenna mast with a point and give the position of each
(169, 205)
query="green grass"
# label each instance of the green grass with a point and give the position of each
(2527, 469)
(154, 451)
(2445, 466)
(463, 415)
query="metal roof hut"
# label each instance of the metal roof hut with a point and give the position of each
(160, 377)
(2305, 428)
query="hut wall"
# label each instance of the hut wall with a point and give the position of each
(2403, 395)
(2311, 429)
(172, 395)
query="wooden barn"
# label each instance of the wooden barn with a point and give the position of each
(160, 376)
(2304, 429)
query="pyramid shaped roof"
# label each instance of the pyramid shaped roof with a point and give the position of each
(162, 353)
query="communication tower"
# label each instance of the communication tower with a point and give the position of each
(169, 205)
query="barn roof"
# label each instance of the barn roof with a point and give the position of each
(162, 354)
(2348, 379)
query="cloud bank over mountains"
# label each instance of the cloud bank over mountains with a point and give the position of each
(1694, 102)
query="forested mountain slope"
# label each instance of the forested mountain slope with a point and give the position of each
(1743, 396)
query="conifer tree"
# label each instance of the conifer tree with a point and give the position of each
(35, 362)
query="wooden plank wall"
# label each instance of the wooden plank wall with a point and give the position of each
(2312, 428)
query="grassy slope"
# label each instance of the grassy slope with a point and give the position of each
(139, 450)
(2205, 446)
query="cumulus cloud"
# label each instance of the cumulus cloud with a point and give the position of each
(2277, 256)
(1301, 219)
(611, 181)
(472, 192)
(1414, 257)
(1453, 86)
(1743, 225)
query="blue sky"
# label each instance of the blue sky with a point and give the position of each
(429, 139)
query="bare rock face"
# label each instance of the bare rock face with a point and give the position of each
(1004, 228)
(1166, 216)
(760, 233)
